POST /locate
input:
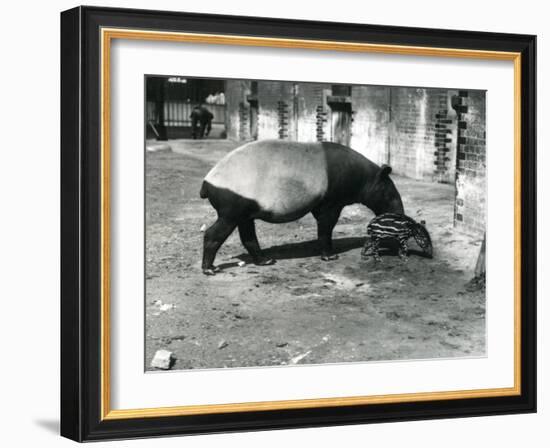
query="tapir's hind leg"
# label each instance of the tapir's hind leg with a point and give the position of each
(247, 232)
(326, 217)
(214, 237)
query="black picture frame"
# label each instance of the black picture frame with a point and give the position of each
(81, 223)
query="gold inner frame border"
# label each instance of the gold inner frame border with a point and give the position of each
(107, 35)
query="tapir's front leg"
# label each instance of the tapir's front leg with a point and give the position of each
(327, 217)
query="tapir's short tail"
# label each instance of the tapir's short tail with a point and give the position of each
(204, 190)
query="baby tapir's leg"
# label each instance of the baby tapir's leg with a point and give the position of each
(376, 249)
(367, 248)
(372, 247)
(403, 249)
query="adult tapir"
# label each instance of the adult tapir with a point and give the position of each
(280, 181)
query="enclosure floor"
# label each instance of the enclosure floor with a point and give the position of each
(301, 310)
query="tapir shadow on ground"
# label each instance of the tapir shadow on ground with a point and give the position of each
(303, 249)
(306, 249)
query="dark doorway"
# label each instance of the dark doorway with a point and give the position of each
(341, 122)
(171, 100)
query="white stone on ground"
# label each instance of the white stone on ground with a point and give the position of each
(157, 147)
(162, 360)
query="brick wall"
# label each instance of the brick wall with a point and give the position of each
(294, 111)
(421, 137)
(430, 134)
(237, 109)
(470, 205)
(445, 145)
(371, 119)
(311, 109)
(412, 129)
(276, 104)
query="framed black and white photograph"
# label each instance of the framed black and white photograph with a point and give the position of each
(226, 155)
(273, 224)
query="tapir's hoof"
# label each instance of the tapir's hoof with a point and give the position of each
(264, 261)
(211, 271)
(329, 257)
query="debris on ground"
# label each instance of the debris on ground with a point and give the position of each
(167, 306)
(179, 337)
(223, 343)
(339, 281)
(163, 306)
(157, 147)
(203, 228)
(162, 360)
(299, 357)
(476, 284)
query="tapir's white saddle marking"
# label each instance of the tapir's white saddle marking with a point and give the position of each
(282, 177)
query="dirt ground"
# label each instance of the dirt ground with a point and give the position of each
(300, 310)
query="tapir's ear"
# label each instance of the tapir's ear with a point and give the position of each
(385, 170)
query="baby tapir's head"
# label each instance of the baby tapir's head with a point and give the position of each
(422, 237)
(399, 228)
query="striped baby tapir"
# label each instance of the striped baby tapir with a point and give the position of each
(399, 228)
